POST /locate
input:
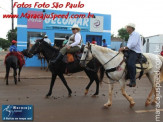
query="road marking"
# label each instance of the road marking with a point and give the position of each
(144, 111)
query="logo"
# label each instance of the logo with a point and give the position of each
(96, 23)
(17, 112)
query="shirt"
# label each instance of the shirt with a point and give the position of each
(13, 48)
(47, 40)
(104, 44)
(77, 40)
(94, 42)
(161, 53)
(134, 42)
(64, 42)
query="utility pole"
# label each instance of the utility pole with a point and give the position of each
(12, 19)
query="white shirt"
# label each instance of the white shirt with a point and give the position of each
(77, 40)
(134, 42)
(47, 40)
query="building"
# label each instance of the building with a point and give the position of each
(116, 43)
(28, 30)
(154, 44)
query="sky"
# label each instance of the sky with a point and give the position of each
(145, 14)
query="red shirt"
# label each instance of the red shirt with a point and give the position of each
(93, 42)
(161, 53)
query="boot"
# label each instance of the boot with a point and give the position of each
(57, 59)
(132, 84)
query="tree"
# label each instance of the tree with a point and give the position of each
(112, 35)
(12, 35)
(122, 33)
(4, 43)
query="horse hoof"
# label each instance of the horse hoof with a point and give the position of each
(69, 95)
(153, 103)
(107, 105)
(86, 92)
(94, 95)
(132, 104)
(147, 104)
(46, 97)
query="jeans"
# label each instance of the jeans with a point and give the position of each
(131, 65)
(64, 50)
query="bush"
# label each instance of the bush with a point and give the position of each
(4, 43)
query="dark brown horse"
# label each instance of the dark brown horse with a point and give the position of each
(59, 69)
(12, 62)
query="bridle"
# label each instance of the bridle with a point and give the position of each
(89, 50)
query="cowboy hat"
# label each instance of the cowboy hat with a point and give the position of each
(130, 25)
(75, 26)
(45, 36)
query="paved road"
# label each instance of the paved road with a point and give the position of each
(78, 108)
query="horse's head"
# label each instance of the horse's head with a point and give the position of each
(36, 48)
(87, 55)
(26, 53)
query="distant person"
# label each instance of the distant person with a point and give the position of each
(65, 41)
(46, 39)
(104, 43)
(13, 51)
(161, 52)
(13, 47)
(93, 41)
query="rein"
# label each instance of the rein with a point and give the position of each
(111, 59)
(108, 70)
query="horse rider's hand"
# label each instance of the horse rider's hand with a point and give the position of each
(121, 49)
(68, 47)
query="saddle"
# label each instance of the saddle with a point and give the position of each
(141, 64)
(72, 62)
(72, 57)
(20, 57)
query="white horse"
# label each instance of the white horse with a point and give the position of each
(105, 54)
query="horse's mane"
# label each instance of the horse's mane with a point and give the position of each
(49, 46)
(104, 49)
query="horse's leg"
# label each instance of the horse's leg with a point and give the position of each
(7, 73)
(148, 101)
(44, 63)
(20, 68)
(151, 79)
(65, 83)
(130, 99)
(87, 87)
(51, 85)
(41, 63)
(154, 100)
(109, 102)
(15, 75)
(97, 85)
(47, 66)
(91, 77)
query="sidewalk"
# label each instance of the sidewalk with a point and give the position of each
(32, 72)
(37, 73)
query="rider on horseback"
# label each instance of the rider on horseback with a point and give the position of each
(73, 45)
(13, 47)
(134, 50)
(14, 51)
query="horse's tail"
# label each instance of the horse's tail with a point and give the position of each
(102, 71)
(7, 64)
(161, 70)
